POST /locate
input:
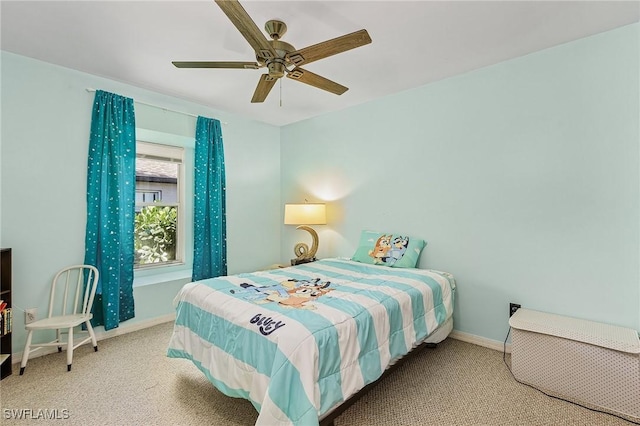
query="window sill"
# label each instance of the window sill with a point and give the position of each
(159, 276)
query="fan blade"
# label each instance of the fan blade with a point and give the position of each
(249, 30)
(239, 65)
(330, 47)
(315, 80)
(264, 87)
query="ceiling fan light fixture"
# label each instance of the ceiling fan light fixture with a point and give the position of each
(276, 69)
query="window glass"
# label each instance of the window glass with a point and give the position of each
(158, 221)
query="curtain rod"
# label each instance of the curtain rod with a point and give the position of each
(89, 89)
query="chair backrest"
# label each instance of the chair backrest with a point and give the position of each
(68, 285)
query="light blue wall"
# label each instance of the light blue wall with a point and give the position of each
(523, 177)
(46, 114)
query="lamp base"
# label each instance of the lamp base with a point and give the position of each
(295, 262)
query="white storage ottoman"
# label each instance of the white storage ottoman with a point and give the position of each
(595, 364)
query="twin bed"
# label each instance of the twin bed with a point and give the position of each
(299, 342)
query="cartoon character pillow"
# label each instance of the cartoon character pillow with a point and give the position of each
(398, 251)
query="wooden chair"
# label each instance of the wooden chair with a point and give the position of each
(66, 312)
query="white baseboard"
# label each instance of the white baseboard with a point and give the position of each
(480, 341)
(101, 335)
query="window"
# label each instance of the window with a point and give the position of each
(143, 196)
(159, 229)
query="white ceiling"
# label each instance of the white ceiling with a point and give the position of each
(414, 43)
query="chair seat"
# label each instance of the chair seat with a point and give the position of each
(63, 321)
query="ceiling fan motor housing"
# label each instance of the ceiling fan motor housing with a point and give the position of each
(276, 65)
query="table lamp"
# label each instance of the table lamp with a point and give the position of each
(303, 215)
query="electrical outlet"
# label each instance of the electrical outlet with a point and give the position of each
(513, 307)
(30, 315)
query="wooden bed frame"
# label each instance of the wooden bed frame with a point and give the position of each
(328, 420)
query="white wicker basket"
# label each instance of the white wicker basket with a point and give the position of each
(588, 362)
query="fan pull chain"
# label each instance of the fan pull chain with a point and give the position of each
(280, 93)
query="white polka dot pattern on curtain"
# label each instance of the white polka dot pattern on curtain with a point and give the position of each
(210, 221)
(111, 206)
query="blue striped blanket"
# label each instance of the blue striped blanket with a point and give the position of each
(299, 341)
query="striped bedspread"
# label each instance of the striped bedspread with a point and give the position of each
(299, 341)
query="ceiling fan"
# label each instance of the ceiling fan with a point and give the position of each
(279, 57)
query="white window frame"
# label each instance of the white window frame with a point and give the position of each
(173, 154)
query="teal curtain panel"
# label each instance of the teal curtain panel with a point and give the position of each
(210, 222)
(111, 207)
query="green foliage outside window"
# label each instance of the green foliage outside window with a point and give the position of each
(155, 234)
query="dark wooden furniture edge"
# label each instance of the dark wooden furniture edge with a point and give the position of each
(328, 420)
(5, 293)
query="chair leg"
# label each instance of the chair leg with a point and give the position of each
(25, 353)
(94, 342)
(58, 335)
(70, 349)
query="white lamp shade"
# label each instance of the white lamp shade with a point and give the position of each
(305, 214)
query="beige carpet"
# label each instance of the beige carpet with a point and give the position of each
(130, 381)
